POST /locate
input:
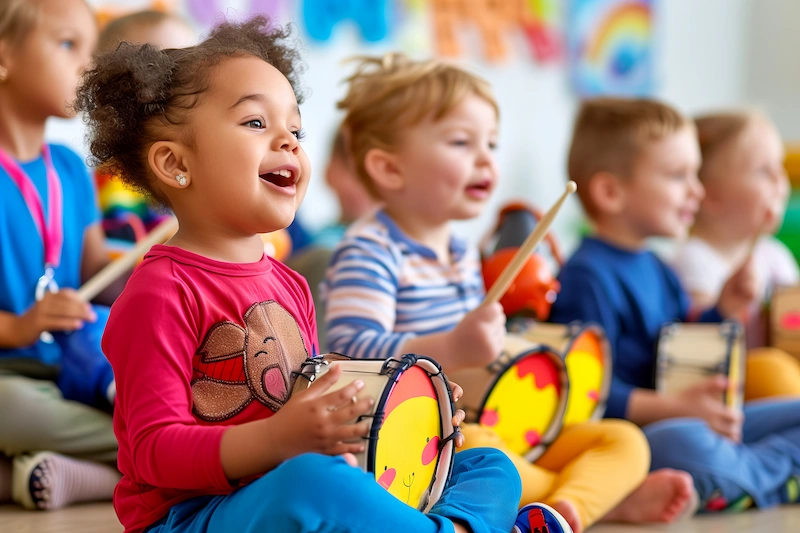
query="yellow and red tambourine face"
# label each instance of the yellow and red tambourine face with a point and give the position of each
(586, 361)
(526, 405)
(408, 441)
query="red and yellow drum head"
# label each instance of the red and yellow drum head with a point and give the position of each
(407, 450)
(525, 406)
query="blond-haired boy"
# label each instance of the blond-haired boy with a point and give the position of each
(423, 135)
(636, 163)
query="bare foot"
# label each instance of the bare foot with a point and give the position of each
(570, 514)
(664, 496)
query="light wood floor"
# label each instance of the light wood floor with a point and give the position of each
(100, 518)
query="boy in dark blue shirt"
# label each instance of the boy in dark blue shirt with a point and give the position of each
(636, 163)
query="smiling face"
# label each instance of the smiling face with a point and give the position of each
(248, 171)
(663, 192)
(745, 180)
(45, 67)
(448, 165)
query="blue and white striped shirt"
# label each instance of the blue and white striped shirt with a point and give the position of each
(383, 288)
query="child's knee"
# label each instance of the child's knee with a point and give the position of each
(326, 474)
(16, 393)
(685, 444)
(495, 467)
(629, 439)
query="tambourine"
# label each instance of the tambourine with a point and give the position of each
(522, 396)
(410, 445)
(690, 353)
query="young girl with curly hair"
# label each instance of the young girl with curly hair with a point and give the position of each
(213, 131)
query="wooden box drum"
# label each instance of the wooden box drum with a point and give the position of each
(410, 446)
(690, 353)
(587, 354)
(522, 396)
(785, 319)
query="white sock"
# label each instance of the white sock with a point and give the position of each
(5, 478)
(51, 481)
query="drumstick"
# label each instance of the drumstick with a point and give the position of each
(111, 272)
(513, 268)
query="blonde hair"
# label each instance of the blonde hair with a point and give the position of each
(390, 93)
(717, 130)
(609, 135)
(116, 30)
(17, 18)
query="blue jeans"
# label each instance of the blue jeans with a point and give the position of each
(324, 494)
(85, 372)
(759, 467)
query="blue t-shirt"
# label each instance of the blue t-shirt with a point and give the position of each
(21, 248)
(632, 294)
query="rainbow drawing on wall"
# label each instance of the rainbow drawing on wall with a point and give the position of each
(610, 45)
(532, 381)
(585, 368)
(408, 441)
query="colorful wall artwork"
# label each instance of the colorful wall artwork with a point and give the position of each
(610, 47)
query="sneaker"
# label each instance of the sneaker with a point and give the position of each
(540, 518)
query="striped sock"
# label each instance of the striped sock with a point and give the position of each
(51, 481)
(5, 478)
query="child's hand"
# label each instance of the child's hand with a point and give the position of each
(478, 339)
(312, 421)
(57, 311)
(739, 292)
(459, 415)
(704, 400)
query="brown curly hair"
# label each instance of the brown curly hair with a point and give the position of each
(133, 93)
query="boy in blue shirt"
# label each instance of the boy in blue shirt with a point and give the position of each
(636, 163)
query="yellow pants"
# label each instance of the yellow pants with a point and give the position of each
(771, 372)
(594, 465)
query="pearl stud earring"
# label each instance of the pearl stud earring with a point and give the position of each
(181, 180)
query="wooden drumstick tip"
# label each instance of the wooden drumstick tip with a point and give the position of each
(571, 187)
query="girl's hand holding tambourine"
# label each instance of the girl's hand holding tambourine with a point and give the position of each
(459, 415)
(313, 421)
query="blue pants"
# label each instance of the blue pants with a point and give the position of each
(759, 467)
(85, 373)
(324, 494)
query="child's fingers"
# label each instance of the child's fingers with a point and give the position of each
(343, 396)
(459, 440)
(350, 459)
(457, 391)
(458, 417)
(348, 432)
(323, 383)
(351, 410)
(715, 384)
(62, 305)
(342, 448)
(61, 324)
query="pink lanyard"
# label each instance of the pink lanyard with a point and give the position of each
(50, 230)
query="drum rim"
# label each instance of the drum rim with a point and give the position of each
(555, 427)
(434, 490)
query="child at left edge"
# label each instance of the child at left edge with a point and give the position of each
(52, 394)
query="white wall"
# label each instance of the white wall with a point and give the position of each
(704, 61)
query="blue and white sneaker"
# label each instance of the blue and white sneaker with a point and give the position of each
(540, 518)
